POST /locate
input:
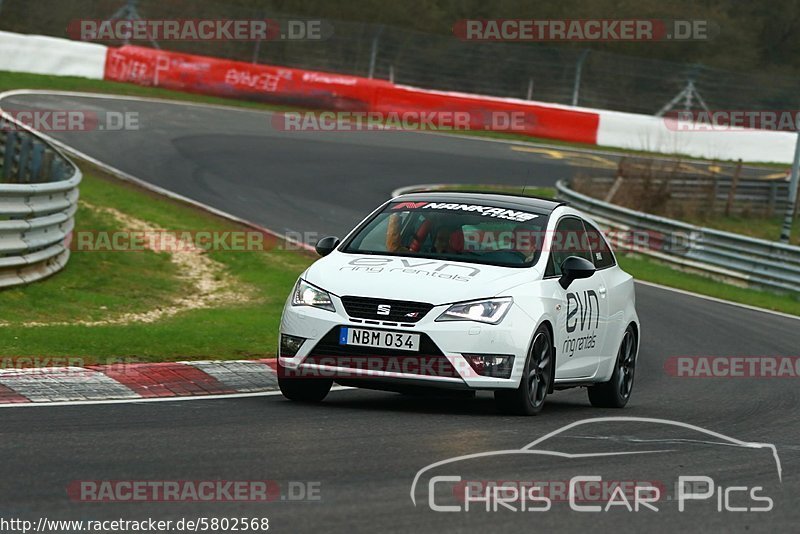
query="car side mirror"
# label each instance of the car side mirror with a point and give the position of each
(575, 268)
(326, 245)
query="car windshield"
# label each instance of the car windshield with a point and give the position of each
(466, 232)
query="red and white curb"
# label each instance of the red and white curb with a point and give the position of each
(131, 381)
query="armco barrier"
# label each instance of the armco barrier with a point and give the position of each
(751, 261)
(48, 55)
(38, 200)
(630, 131)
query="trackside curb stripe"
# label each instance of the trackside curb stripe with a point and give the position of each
(165, 379)
(136, 382)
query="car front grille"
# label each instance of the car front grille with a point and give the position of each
(400, 311)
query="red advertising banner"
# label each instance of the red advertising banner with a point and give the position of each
(220, 77)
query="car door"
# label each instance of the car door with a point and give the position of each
(583, 313)
(613, 280)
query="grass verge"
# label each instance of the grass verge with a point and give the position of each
(99, 286)
(768, 228)
(649, 270)
(540, 192)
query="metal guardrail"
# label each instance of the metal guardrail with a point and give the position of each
(38, 201)
(751, 261)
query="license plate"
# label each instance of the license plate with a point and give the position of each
(379, 339)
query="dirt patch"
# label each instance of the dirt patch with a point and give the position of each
(211, 286)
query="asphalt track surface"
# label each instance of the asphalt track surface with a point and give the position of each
(365, 448)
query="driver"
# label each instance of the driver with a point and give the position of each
(394, 235)
(447, 238)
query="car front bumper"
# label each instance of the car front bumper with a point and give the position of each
(444, 367)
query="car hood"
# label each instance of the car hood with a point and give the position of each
(410, 278)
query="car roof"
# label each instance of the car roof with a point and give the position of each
(502, 200)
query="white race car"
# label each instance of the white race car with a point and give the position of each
(475, 291)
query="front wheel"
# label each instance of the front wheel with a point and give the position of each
(303, 389)
(616, 392)
(529, 397)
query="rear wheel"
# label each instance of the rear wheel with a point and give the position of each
(616, 392)
(303, 389)
(537, 377)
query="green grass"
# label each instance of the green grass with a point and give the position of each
(761, 227)
(660, 273)
(97, 285)
(528, 191)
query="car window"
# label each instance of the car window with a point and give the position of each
(569, 239)
(452, 231)
(601, 251)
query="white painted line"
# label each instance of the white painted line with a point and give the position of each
(155, 399)
(155, 100)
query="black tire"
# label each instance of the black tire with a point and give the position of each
(537, 378)
(616, 392)
(303, 389)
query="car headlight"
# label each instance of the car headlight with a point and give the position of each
(307, 295)
(489, 311)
